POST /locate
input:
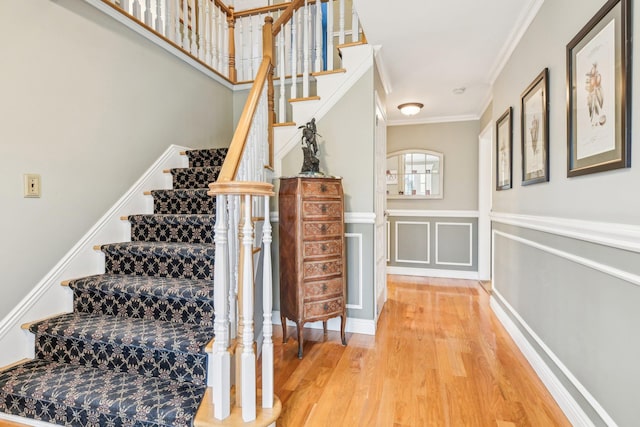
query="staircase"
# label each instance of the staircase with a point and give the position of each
(133, 351)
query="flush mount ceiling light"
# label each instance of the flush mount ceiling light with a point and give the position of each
(410, 108)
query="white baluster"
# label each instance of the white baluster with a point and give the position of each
(317, 66)
(240, 49)
(330, 35)
(267, 297)
(220, 38)
(250, 50)
(307, 48)
(207, 31)
(221, 357)
(224, 42)
(341, 23)
(300, 41)
(355, 26)
(158, 22)
(176, 21)
(294, 54)
(287, 47)
(148, 16)
(282, 114)
(193, 48)
(169, 31)
(247, 357)
(124, 5)
(214, 37)
(185, 25)
(136, 9)
(201, 30)
(234, 213)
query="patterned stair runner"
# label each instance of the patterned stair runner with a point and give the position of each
(132, 351)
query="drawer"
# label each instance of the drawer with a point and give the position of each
(323, 308)
(322, 248)
(311, 229)
(319, 269)
(312, 188)
(322, 288)
(321, 209)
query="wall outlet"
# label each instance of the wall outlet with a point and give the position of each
(32, 185)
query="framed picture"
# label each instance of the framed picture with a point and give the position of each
(504, 148)
(599, 92)
(534, 128)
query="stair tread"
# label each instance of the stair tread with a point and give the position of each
(129, 332)
(190, 249)
(170, 287)
(173, 218)
(70, 394)
(206, 157)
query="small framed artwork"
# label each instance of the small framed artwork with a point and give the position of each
(504, 148)
(599, 92)
(534, 128)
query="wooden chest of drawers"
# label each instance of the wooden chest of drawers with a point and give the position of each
(312, 260)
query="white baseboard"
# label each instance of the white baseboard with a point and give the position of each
(48, 298)
(432, 272)
(356, 326)
(565, 400)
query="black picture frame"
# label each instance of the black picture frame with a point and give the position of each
(504, 150)
(534, 130)
(599, 92)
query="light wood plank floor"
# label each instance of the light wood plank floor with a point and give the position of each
(439, 358)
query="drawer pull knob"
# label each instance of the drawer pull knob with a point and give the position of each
(324, 287)
(323, 188)
(323, 208)
(323, 228)
(324, 267)
(324, 247)
(326, 307)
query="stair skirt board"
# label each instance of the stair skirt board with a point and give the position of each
(133, 350)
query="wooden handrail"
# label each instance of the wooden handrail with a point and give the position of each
(260, 10)
(226, 9)
(286, 16)
(236, 148)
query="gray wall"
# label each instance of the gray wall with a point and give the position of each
(347, 150)
(584, 312)
(459, 143)
(599, 197)
(89, 105)
(486, 117)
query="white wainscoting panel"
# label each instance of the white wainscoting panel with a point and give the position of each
(427, 225)
(454, 224)
(356, 262)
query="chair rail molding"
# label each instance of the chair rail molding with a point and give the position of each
(615, 235)
(433, 213)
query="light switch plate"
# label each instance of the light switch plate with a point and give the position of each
(32, 185)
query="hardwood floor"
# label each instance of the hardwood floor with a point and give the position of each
(439, 358)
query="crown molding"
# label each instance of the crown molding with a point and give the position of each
(520, 26)
(431, 120)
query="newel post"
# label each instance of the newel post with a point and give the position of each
(268, 50)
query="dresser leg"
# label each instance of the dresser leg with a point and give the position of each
(284, 328)
(343, 323)
(300, 328)
(324, 327)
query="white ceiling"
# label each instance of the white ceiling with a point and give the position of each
(427, 48)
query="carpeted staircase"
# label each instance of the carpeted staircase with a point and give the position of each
(132, 353)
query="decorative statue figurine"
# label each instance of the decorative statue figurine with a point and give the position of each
(311, 163)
